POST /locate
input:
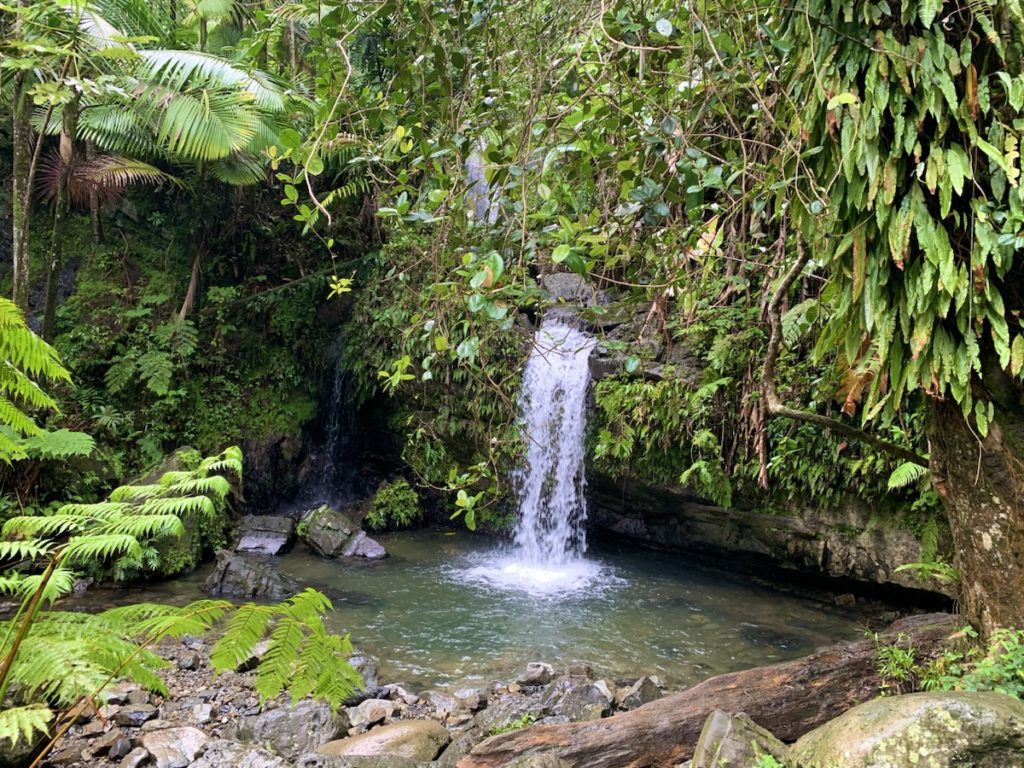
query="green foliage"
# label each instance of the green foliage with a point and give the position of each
(967, 666)
(525, 720)
(394, 505)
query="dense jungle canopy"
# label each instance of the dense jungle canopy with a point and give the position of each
(821, 199)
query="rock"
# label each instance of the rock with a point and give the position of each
(265, 534)
(134, 715)
(441, 704)
(189, 660)
(290, 730)
(570, 288)
(584, 701)
(135, 758)
(326, 530)
(73, 754)
(580, 669)
(359, 761)
(734, 741)
(361, 545)
(397, 693)
(174, 747)
(370, 712)
(118, 694)
(230, 754)
(107, 740)
(472, 699)
(202, 713)
(410, 739)
(138, 696)
(242, 575)
(937, 730)
(537, 673)
(366, 666)
(641, 692)
(119, 748)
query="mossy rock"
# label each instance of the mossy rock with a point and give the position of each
(924, 730)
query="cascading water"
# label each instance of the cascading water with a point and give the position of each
(552, 484)
(550, 537)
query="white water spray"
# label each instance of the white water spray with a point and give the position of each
(550, 537)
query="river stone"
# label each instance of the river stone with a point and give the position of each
(537, 673)
(442, 704)
(135, 758)
(231, 754)
(643, 691)
(409, 739)
(292, 729)
(174, 747)
(134, 715)
(370, 712)
(361, 545)
(931, 730)
(265, 534)
(241, 575)
(734, 741)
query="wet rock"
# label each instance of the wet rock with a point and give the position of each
(134, 715)
(265, 534)
(135, 758)
(361, 545)
(398, 693)
(230, 754)
(326, 530)
(174, 747)
(734, 741)
(537, 673)
(641, 692)
(940, 730)
(570, 288)
(240, 575)
(410, 739)
(290, 730)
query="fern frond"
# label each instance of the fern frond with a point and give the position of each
(97, 548)
(906, 474)
(245, 629)
(24, 723)
(24, 550)
(59, 444)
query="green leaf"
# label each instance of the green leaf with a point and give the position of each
(841, 99)
(927, 10)
(1017, 355)
(561, 253)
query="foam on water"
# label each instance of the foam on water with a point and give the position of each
(509, 572)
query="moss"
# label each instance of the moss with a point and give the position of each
(395, 505)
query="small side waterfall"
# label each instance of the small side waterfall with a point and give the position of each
(552, 485)
(550, 537)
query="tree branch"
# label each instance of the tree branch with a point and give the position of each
(775, 406)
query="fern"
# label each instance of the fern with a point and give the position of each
(905, 475)
(24, 723)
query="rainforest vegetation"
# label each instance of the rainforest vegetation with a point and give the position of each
(803, 220)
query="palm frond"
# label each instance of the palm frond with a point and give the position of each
(177, 69)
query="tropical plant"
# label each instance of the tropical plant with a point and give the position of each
(394, 505)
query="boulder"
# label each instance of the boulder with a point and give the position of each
(734, 741)
(369, 712)
(579, 701)
(570, 288)
(418, 740)
(222, 754)
(937, 730)
(290, 730)
(643, 691)
(537, 673)
(174, 747)
(265, 534)
(331, 533)
(242, 575)
(539, 761)
(441, 704)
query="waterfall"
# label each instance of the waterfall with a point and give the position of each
(552, 406)
(546, 559)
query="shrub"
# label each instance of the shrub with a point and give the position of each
(395, 505)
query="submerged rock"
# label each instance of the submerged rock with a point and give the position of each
(265, 534)
(331, 533)
(420, 740)
(241, 575)
(937, 730)
(734, 741)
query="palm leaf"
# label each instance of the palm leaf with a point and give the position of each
(176, 69)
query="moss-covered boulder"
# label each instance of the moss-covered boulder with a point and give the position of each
(331, 533)
(924, 730)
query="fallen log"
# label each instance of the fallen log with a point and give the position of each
(789, 699)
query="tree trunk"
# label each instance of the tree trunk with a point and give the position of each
(21, 197)
(68, 154)
(981, 484)
(789, 699)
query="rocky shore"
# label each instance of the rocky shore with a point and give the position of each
(209, 720)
